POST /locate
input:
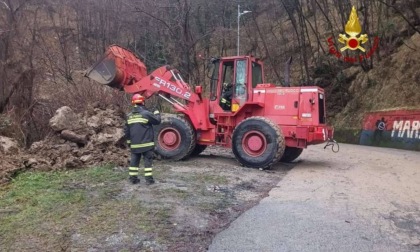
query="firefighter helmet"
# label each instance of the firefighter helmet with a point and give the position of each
(137, 99)
(227, 86)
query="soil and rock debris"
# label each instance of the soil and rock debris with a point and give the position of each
(93, 138)
(190, 203)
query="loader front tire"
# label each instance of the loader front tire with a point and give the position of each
(258, 142)
(174, 137)
(290, 154)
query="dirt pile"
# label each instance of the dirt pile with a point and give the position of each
(13, 159)
(92, 138)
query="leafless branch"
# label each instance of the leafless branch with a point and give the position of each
(5, 4)
(401, 14)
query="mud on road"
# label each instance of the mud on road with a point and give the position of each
(191, 202)
(214, 190)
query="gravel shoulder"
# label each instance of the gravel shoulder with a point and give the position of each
(97, 209)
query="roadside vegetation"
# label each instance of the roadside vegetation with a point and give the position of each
(97, 208)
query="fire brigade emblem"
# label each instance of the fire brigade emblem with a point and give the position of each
(353, 29)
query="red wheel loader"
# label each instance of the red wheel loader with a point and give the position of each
(261, 122)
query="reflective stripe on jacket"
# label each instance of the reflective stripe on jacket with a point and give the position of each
(138, 129)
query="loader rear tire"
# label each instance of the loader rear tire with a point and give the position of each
(198, 149)
(290, 154)
(174, 137)
(258, 142)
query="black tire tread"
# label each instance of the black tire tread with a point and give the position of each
(280, 139)
(190, 130)
(290, 154)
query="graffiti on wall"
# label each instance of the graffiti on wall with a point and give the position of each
(396, 129)
(380, 127)
(409, 129)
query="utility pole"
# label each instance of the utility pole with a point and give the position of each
(239, 15)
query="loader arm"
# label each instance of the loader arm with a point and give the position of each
(162, 80)
(121, 69)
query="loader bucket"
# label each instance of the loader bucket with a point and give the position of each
(103, 71)
(117, 68)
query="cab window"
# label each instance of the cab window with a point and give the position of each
(256, 74)
(214, 79)
(228, 72)
(241, 93)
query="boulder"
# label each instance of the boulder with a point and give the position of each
(94, 122)
(73, 163)
(86, 158)
(8, 146)
(64, 118)
(113, 136)
(36, 146)
(73, 137)
(30, 163)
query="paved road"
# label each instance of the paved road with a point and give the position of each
(360, 199)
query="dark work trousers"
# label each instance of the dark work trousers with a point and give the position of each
(135, 162)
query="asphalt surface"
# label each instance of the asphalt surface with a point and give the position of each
(360, 199)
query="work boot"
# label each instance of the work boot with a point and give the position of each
(134, 180)
(149, 180)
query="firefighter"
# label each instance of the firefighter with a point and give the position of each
(139, 134)
(226, 99)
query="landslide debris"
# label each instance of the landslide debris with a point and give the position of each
(91, 138)
(9, 152)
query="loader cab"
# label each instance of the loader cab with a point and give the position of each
(232, 81)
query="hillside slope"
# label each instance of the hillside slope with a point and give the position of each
(392, 83)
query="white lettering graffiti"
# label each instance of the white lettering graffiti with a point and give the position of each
(172, 87)
(406, 129)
